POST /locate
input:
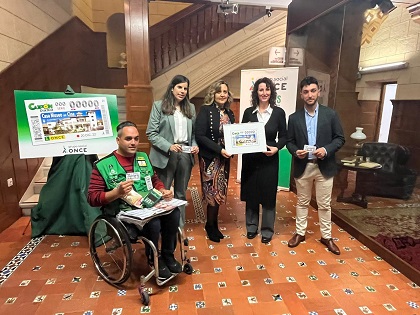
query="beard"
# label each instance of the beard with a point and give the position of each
(311, 104)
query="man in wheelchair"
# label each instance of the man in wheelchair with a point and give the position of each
(122, 171)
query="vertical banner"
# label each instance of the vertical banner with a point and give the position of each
(56, 124)
(286, 81)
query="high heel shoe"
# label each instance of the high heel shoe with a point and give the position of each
(212, 233)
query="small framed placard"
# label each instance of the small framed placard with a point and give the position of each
(245, 138)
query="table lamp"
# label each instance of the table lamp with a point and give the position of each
(359, 136)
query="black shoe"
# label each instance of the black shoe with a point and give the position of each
(211, 233)
(173, 265)
(265, 240)
(164, 272)
(251, 235)
(218, 233)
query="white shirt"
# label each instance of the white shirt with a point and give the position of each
(265, 115)
(180, 135)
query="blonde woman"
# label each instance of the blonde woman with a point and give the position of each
(214, 160)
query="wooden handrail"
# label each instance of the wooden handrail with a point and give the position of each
(195, 28)
(160, 28)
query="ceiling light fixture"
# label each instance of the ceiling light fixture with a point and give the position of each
(384, 67)
(386, 6)
(227, 8)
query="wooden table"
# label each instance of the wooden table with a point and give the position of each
(358, 197)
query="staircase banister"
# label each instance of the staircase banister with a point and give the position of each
(195, 30)
(168, 23)
(201, 49)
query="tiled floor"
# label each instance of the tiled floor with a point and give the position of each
(235, 276)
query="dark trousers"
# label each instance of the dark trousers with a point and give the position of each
(166, 225)
(252, 215)
(178, 172)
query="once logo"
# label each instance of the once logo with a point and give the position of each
(77, 150)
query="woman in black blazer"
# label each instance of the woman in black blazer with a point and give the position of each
(259, 175)
(213, 158)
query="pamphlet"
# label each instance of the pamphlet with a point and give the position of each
(370, 165)
(349, 159)
(133, 198)
(144, 200)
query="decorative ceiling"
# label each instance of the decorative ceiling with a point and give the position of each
(373, 20)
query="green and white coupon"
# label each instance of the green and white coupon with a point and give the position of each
(56, 124)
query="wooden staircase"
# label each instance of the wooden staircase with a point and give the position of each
(186, 33)
(214, 62)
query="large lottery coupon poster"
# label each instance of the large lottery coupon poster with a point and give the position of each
(56, 124)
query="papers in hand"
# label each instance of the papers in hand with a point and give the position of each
(160, 208)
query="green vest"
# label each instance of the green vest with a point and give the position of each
(113, 173)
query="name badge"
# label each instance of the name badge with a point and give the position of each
(148, 180)
(142, 163)
(132, 176)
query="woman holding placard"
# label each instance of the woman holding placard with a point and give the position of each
(214, 159)
(259, 174)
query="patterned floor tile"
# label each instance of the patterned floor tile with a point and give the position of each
(236, 276)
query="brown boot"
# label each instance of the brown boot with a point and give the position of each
(330, 245)
(295, 240)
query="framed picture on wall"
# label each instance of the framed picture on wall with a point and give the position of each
(324, 85)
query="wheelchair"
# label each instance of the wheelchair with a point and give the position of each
(112, 253)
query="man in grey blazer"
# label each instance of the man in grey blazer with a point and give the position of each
(314, 136)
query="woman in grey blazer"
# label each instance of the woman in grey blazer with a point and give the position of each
(171, 132)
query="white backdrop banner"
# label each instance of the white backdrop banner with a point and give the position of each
(285, 80)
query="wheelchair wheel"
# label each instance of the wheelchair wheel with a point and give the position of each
(110, 249)
(188, 269)
(145, 299)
